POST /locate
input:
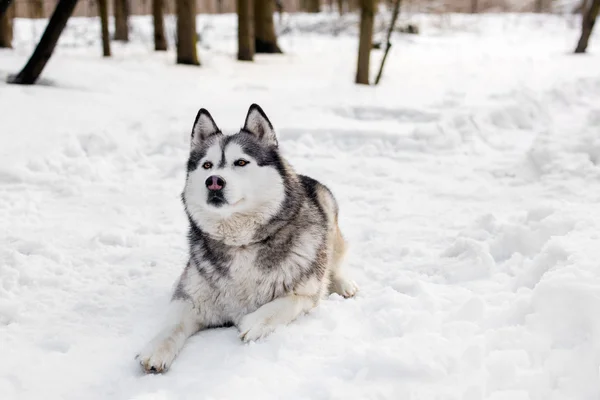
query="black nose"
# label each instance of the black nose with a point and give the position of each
(215, 182)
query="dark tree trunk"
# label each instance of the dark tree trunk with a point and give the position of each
(245, 11)
(474, 6)
(312, 6)
(581, 8)
(367, 16)
(340, 5)
(4, 4)
(103, 9)
(6, 28)
(186, 33)
(42, 53)
(264, 27)
(395, 14)
(36, 8)
(160, 42)
(539, 6)
(588, 20)
(121, 13)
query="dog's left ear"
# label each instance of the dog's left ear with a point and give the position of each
(259, 125)
(204, 127)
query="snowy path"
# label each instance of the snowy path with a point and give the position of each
(469, 185)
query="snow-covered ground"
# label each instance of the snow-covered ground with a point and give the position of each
(469, 184)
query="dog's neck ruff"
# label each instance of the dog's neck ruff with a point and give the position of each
(246, 228)
(237, 230)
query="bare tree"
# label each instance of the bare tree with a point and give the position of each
(588, 20)
(474, 6)
(265, 40)
(121, 14)
(312, 6)
(367, 16)
(6, 28)
(42, 53)
(160, 42)
(581, 8)
(103, 9)
(388, 46)
(36, 8)
(4, 4)
(539, 6)
(340, 5)
(186, 33)
(245, 11)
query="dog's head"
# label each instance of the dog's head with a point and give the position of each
(239, 174)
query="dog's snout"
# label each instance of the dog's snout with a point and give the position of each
(215, 182)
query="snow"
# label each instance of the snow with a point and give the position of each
(469, 190)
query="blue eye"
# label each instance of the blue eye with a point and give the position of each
(241, 163)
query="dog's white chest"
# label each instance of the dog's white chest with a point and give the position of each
(249, 285)
(243, 264)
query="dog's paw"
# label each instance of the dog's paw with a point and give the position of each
(254, 327)
(157, 357)
(345, 287)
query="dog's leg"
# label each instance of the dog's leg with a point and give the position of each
(183, 321)
(280, 311)
(343, 286)
(339, 283)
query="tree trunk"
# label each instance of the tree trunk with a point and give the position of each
(340, 5)
(264, 27)
(42, 53)
(6, 28)
(581, 8)
(160, 42)
(474, 6)
(186, 33)
(539, 6)
(4, 4)
(121, 12)
(312, 6)
(395, 14)
(587, 25)
(367, 15)
(245, 13)
(36, 9)
(103, 10)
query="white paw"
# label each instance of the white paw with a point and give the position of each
(255, 326)
(345, 287)
(157, 356)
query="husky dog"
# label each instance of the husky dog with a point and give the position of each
(264, 242)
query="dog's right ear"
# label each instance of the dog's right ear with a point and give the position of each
(204, 127)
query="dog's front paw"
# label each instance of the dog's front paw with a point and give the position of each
(345, 287)
(157, 356)
(254, 326)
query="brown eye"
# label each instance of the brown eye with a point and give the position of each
(207, 165)
(241, 163)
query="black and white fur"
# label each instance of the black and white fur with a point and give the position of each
(264, 242)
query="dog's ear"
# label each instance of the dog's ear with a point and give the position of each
(259, 125)
(204, 127)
